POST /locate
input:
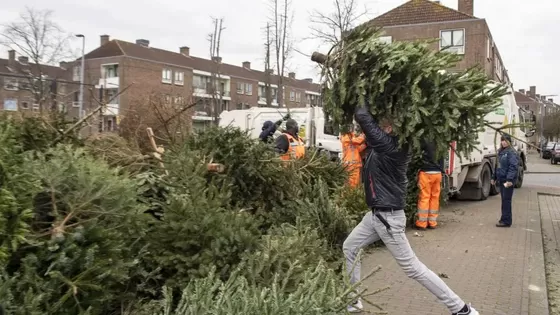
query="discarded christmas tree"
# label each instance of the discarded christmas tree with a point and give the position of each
(408, 82)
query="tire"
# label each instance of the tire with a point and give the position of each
(520, 176)
(485, 178)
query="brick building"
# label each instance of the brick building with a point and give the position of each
(458, 31)
(28, 87)
(538, 105)
(180, 78)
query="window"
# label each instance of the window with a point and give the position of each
(488, 48)
(35, 106)
(178, 100)
(25, 105)
(292, 96)
(167, 99)
(385, 39)
(10, 104)
(110, 71)
(453, 41)
(179, 78)
(298, 97)
(76, 100)
(100, 126)
(76, 71)
(109, 124)
(330, 128)
(200, 82)
(248, 89)
(24, 85)
(240, 88)
(166, 76)
(10, 84)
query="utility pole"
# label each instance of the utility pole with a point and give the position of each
(81, 100)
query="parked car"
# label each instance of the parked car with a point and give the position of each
(547, 151)
(555, 154)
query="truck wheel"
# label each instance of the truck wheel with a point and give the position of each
(486, 182)
(520, 175)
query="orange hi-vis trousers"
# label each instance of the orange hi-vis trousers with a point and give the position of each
(428, 199)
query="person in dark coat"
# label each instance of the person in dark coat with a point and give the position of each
(385, 183)
(268, 130)
(282, 142)
(505, 177)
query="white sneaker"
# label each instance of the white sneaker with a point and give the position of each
(471, 311)
(358, 307)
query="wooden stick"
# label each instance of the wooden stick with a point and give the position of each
(151, 136)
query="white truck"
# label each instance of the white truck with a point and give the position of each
(313, 127)
(468, 178)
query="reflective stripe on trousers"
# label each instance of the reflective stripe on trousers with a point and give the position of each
(428, 198)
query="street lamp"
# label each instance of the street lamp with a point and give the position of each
(80, 114)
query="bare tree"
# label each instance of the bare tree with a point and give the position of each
(44, 43)
(267, 68)
(329, 28)
(216, 81)
(281, 20)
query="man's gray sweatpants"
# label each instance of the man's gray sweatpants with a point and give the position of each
(371, 229)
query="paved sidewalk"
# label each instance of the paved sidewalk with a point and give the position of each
(501, 271)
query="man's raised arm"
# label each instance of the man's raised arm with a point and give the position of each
(378, 139)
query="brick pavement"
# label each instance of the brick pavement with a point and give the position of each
(549, 205)
(501, 271)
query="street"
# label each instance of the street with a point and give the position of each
(501, 271)
(541, 173)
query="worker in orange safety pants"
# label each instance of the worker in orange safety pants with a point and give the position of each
(353, 144)
(429, 183)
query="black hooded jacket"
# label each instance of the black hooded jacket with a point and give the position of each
(268, 130)
(429, 158)
(384, 173)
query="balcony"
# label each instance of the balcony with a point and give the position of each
(262, 101)
(110, 110)
(207, 93)
(108, 83)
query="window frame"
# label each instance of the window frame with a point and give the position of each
(164, 78)
(240, 87)
(179, 78)
(453, 48)
(248, 89)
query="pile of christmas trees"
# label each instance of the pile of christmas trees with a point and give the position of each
(85, 230)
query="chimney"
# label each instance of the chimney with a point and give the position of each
(247, 65)
(522, 91)
(292, 75)
(104, 39)
(63, 65)
(143, 42)
(185, 51)
(308, 80)
(217, 59)
(466, 6)
(11, 57)
(543, 97)
(532, 91)
(23, 60)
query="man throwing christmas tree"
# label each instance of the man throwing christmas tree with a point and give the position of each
(385, 184)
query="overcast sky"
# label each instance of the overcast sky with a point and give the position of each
(526, 32)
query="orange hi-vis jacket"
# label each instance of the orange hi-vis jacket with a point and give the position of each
(296, 150)
(352, 147)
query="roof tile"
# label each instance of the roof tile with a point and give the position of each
(418, 12)
(119, 47)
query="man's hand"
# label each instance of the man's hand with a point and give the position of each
(508, 184)
(493, 182)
